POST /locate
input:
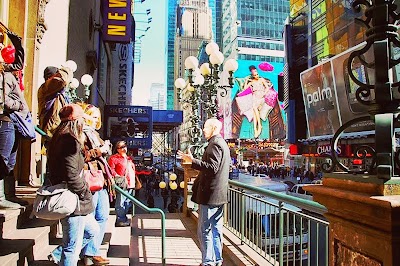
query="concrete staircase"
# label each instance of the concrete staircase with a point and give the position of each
(25, 241)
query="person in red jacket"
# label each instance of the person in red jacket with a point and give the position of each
(123, 165)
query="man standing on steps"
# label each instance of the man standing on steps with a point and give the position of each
(210, 191)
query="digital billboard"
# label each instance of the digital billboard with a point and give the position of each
(255, 109)
(329, 94)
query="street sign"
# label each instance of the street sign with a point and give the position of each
(134, 124)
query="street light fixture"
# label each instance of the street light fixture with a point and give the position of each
(86, 81)
(203, 85)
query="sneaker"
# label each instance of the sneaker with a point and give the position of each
(122, 224)
(95, 260)
(52, 258)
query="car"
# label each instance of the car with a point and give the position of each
(262, 176)
(298, 191)
(316, 181)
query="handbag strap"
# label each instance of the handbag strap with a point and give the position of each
(91, 168)
(107, 166)
(126, 168)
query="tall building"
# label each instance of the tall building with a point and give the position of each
(158, 99)
(174, 28)
(170, 51)
(252, 29)
(194, 27)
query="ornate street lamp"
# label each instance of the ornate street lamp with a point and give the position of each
(203, 85)
(86, 81)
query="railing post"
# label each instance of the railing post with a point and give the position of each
(281, 224)
(242, 215)
(189, 173)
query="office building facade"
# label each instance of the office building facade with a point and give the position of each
(158, 99)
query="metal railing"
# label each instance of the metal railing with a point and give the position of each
(150, 210)
(134, 201)
(283, 229)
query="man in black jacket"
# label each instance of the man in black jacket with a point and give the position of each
(210, 191)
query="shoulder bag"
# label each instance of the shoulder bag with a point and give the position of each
(54, 202)
(24, 126)
(94, 178)
(121, 180)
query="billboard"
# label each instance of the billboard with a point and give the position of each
(255, 110)
(329, 94)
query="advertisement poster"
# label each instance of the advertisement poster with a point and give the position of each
(256, 112)
(346, 88)
(320, 100)
(329, 94)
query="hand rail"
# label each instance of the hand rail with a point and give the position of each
(41, 132)
(151, 210)
(299, 202)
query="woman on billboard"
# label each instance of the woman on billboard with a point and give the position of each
(257, 99)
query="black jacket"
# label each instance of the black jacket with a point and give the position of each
(211, 186)
(65, 164)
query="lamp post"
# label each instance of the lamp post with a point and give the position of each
(86, 81)
(173, 186)
(203, 86)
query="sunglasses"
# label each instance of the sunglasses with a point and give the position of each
(121, 147)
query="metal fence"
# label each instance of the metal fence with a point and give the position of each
(283, 229)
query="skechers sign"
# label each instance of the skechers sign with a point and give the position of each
(117, 20)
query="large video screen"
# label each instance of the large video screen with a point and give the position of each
(329, 94)
(255, 110)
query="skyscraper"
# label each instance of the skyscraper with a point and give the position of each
(170, 51)
(252, 29)
(158, 96)
(176, 10)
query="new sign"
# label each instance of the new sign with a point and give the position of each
(117, 20)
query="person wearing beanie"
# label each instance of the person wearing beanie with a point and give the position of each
(66, 161)
(52, 97)
(49, 72)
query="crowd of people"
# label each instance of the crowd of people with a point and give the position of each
(300, 174)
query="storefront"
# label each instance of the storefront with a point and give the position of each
(267, 152)
(315, 154)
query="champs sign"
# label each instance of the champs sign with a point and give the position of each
(117, 20)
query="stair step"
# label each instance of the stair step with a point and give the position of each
(118, 239)
(16, 251)
(22, 238)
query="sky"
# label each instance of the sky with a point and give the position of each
(151, 69)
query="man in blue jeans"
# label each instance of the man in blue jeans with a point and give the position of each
(210, 191)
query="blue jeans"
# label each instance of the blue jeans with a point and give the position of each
(101, 211)
(122, 205)
(78, 231)
(8, 148)
(209, 231)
